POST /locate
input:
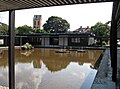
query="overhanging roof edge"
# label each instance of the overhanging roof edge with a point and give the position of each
(34, 6)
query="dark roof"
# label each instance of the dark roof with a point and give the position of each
(6, 5)
(71, 34)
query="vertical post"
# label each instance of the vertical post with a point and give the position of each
(11, 49)
(5, 41)
(63, 42)
(20, 40)
(44, 42)
(113, 43)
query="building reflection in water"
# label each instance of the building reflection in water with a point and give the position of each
(45, 69)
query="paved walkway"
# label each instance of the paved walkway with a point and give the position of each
(103, 78)
(118, 67)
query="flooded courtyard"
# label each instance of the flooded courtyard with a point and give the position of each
(45, 69)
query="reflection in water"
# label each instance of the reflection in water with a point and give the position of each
(45, 69)
(27, 52)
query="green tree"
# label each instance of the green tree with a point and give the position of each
(39, 31)
(56, 24)
(100, 29)
(36, 31)
(3, 29)
(24, 30)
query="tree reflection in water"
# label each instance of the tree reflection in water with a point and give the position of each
(53, 61)
(37, 67)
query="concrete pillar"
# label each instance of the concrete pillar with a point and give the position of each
(45, 41)
(66, 41)
(113, 41)
(11, 49)
(90, 40)
(61, 41)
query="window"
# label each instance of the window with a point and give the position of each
(75, 40)
(1, 41)
(78, 40)
(38, 22)
(34, 22)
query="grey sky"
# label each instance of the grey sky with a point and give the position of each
(77, 15)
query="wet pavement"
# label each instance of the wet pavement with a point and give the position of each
(118, 67)
(103, 78)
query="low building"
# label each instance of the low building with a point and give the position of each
(81, 29)
(58, 39)
(54, 39)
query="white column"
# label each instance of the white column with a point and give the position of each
(43, 41)
(66, 41)
(61, 41)
(47, 41)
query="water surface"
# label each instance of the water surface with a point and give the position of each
(46, 69)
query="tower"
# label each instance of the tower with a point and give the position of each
(37, 22)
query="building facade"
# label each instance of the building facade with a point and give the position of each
(53, 39)
(37, 22)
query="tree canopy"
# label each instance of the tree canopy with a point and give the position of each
(100, 29)
(3, 29)
(24, 30)
(56, 24)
